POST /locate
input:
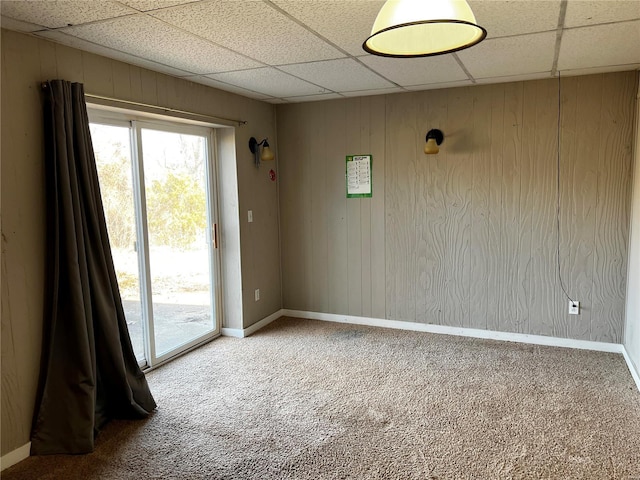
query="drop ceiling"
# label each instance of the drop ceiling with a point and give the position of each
(284, 51)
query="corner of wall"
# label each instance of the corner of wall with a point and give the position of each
(230, 229)
(632, 311)
(15, 456)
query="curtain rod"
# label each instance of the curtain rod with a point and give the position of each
(45, 85)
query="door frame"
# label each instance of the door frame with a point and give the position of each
(136, 122)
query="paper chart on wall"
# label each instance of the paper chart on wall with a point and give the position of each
(359, 182)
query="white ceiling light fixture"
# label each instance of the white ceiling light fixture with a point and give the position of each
(423, 28)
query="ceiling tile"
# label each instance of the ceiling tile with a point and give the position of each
(252, 28)
(313, 98)
(233, 42)
(227, 87)
(147, 5)
(81, 44)
(149, 38)
(601, 45)
(62, 13)
(590, 13)
(502, 18)
(378, 91)
(338, 75)
(269, 81)
(510, 55)
(19, 26)
(416, 71)
(346, 23)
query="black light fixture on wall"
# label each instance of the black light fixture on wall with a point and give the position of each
(266, 155)
(434, 138)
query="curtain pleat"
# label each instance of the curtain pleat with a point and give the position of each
(89, 373)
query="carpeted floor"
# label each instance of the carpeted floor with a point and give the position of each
(313, 400)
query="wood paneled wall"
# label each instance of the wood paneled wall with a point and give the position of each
(26, 62)
(466, 237)
(632, 330)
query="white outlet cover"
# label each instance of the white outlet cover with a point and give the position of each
(250, 216)
(574, 308)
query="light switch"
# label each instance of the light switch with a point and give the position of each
(250, 216)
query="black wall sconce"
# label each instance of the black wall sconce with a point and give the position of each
(434, 138)
(266, 155)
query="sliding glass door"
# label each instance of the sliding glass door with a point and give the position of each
(112, 147)
(157, 183)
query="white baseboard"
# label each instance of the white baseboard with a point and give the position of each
(635, 373)
(443, 330)
(245, 332)
(232, 332)
(17, 455)
(459, 331)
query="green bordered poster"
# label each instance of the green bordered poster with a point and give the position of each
(359, 183)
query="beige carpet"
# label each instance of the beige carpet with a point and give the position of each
(304, 399)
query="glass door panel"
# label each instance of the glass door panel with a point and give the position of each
(112, 147)
(178, 222)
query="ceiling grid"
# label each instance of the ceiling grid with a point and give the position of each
(284, 51)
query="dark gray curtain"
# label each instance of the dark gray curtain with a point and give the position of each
(89, 373)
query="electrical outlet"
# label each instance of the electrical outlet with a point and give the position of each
(257, 293)
(574, 308)
(250, 216)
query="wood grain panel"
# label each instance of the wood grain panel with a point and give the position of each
(312, 145)
(317, 214)
(23, 236)
(400, 191)
(567, 219)
(378, 262)
(121, 80)
(632, 309)
(69, 62)
(555, 297)
(354, 227)
(527, 207)
(290, 150)
(48, 63)
(431, 247)
(544, 286)
(459, 181)
(365, 212)
(469, 235)
(98, 74)
(149, 87)
(496, 146)
(168, 91)
(612, 213)
(480, 245)
(337, 249)
(424, 264)
(12, 410)
(162, 90)
(580, 139)
(135, 81)
(510, 211)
